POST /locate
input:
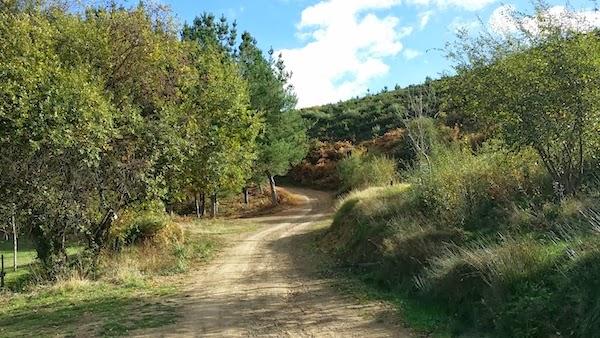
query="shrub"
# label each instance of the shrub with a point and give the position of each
(513, 287)
(495, 265)
(361, 170)
(319, 168)
(465, 189)
(379, 227)
(142, 223)
(396, 144)
(482, 235)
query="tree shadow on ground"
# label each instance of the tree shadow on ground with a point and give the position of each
(85, 313)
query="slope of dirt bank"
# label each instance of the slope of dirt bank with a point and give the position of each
(266, 285)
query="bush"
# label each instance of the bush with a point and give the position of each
(319, 168)
(361, 170)
(464, 189)
(143, 223)
(144, 227)
(379, 227)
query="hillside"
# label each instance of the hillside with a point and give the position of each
(364, 118)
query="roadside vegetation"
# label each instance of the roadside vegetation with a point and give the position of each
(133, 288)
(113, 122)
(492, 229)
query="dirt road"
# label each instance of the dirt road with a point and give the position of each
(266, 286)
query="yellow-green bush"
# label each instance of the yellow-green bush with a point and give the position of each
(465, 189)
(360, 170)
(144, 223)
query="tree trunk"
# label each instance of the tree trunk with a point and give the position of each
(273, 188)
(15, 244)
(202, 204)
(215, 205)
(246, 197)
(197, 203)
(169, 209)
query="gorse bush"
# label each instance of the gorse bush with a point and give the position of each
(362, 170)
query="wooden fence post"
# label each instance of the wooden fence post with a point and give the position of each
(15, 243)
(2, 272)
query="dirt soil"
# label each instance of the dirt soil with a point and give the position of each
(267, 285)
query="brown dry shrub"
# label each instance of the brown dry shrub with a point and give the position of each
(319, 168)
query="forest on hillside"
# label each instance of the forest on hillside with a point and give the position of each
(364, 118)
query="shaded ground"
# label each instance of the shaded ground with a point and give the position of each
(267, 285)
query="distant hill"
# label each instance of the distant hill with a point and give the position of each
(362, 119)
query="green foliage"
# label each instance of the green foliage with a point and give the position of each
(139, 224)
(283, 141)
(512, 287)
(538, 90)
(361, 170)
(206, 31)
(362, 119)
(474, 234)
(56, 128)
(464, 189)
(223, 129)
(107, 107)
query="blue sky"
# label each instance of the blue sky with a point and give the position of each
(340, 48)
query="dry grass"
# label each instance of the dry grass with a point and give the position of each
(260, 204)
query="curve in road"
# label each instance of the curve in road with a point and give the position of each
(266, 286)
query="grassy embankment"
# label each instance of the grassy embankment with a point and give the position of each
(475, 243)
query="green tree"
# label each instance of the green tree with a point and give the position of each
(538, 87)
(85, 102)
(283, 141)
(55, 125)
(207, 31)
(225, 129)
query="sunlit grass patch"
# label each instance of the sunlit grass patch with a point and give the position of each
(85, 308)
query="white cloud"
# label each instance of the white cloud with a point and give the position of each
(347, 46)
(503, 21)
(470, 5)
(424, 18)
(459, 24)
(410, 54)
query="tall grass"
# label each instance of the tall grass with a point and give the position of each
(481, 235)
(465, 189)
(360, 170)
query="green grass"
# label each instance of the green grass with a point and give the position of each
(424, 317)
(136, 289)
(87, 309)
(26, 256)
(477, 245)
